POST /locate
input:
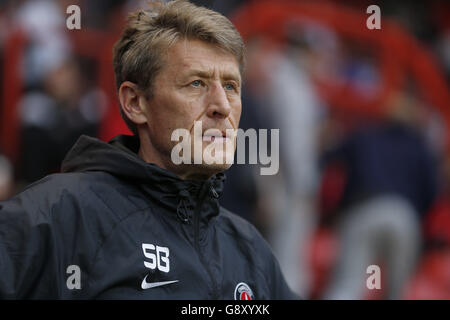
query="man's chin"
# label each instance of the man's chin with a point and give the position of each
(210, 169)
(217, 167)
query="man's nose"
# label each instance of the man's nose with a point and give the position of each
(218, 103)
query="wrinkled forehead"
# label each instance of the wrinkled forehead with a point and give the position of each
(199, 57)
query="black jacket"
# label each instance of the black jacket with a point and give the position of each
(114, 227)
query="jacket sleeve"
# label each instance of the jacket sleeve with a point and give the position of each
(26, 258)
(279, 289)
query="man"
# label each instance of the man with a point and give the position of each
(123, 221)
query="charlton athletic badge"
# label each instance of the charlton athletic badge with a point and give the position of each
(243, 292)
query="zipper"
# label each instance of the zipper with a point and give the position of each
(182, 214)
(203, 194)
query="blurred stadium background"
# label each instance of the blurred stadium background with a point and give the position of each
(363, 114)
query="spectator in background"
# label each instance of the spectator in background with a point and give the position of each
(391, 183)
(298, 111)
(44, 23)
(55, 109)
(53, 118)
(295, 108)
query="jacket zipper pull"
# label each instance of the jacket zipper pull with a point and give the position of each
(182, 212)
(183, 218)
(214, 192)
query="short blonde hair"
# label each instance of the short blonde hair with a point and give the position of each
(138, 54)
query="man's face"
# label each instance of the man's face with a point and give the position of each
(199, 82)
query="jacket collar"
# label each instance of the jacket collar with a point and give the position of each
(119, 158)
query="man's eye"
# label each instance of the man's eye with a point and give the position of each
(197, 83)
(229, 86)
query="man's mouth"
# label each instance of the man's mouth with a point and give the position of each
(215, 138)
(219, 136)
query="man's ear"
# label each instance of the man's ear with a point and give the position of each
(133, 102)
